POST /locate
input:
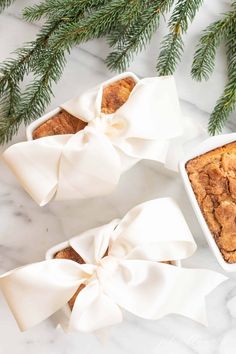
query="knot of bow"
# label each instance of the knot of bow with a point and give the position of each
(90, 162)
(123, 270)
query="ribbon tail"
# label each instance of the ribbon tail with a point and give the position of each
(93, 310)
(38, 290)
(152, 290)
(35, 165)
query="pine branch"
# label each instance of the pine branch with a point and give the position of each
(46, 64)
(4, 4)
(183, 13)
(204, 57)
(134, 40)
(36, 96)
(137, 33)
(12, 73)
(96, 24)
(172, 48)
(227, 102)
(56, 9)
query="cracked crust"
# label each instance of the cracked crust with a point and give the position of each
(114, 96)
(62, 123)
(213, 179)
(70, 253)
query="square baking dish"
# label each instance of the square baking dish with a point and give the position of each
(208, 145)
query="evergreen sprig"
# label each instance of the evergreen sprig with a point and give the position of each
(204, 57)
(128, 26)
(94, 24)
(227, 102)
(12, 73)
(5, 3)
(134, 32)
(172, 45)
(204, 62)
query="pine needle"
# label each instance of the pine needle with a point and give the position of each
(133, 33)
(183, 13)
(204, 57)
(227, 102)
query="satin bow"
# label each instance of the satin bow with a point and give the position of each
(90, 163)
(128, 277)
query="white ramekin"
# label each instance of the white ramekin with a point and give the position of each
(39, 121)
(207, 145)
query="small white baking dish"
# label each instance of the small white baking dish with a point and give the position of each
(207, 145)
(39, 121)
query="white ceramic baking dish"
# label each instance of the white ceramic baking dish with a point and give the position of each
(207, 145)
(38, 122)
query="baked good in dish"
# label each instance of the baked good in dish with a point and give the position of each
(62, 123)
(213, 179)
(70, 253)
(114, 96)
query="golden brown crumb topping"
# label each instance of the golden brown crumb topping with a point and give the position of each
(213, 179)
(61, 123)
(116, 94)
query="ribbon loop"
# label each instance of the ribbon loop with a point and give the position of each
(32, 291)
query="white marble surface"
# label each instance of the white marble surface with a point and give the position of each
(26, 231)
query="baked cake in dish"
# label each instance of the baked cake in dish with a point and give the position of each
(213, 179)
(114, 96)
(62, 123)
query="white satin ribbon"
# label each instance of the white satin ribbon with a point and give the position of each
(89, 163)
(129, 277)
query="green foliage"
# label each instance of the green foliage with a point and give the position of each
(5, 3)
(128, 26)
(134, 30)
(204, 62)
(227, 102)
(57, 9)
(94, 24)
(172, 46)
(204, 58)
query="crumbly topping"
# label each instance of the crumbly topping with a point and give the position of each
(213, 179)
(62, 123)
(116, 94)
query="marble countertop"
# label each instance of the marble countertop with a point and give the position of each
(27, 231)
